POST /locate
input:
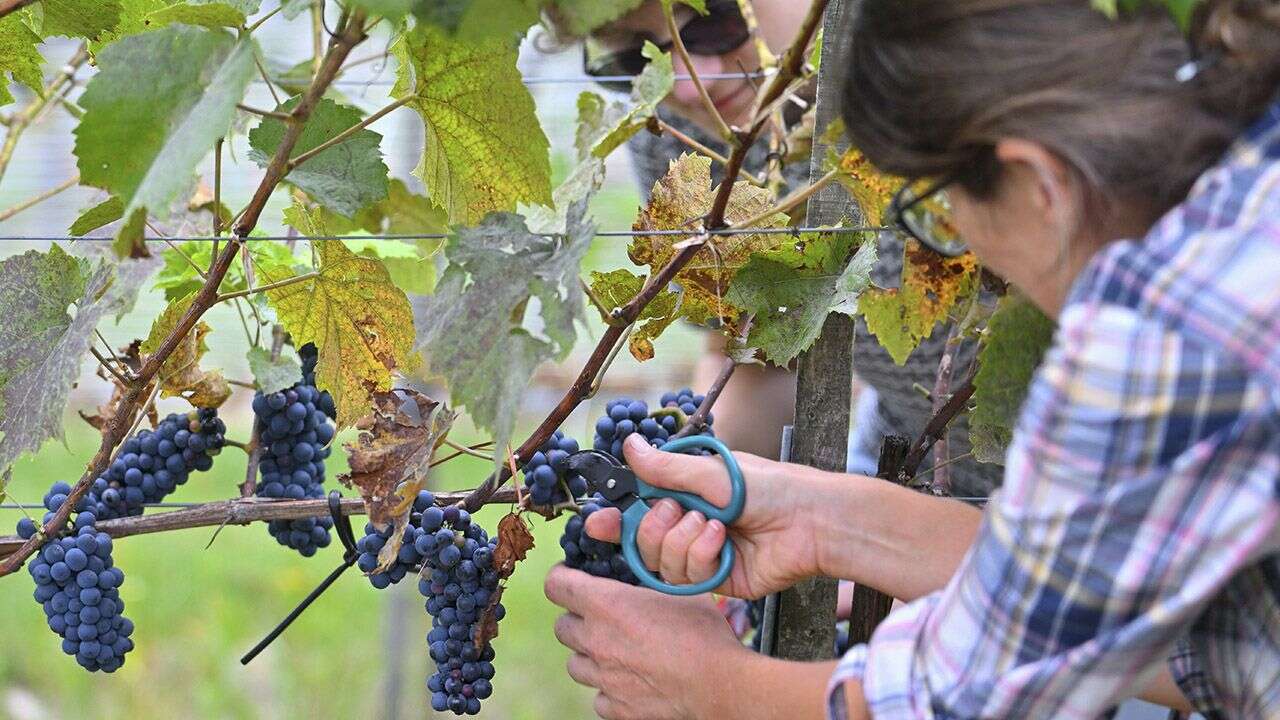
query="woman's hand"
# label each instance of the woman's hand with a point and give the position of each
(651, 656)
(774, 537)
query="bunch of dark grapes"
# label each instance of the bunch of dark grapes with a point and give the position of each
(625, 416)
(309, 356)
(294, 434)
(78, 587)
(459, 580)
(417, 542)
(583, 552)
(546, 475)
(153, 463)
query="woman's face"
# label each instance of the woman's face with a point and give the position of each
(778, 22)
(1027, 232)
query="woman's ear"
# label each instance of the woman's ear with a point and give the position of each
(1044, 179)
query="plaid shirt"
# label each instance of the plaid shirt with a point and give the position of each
(1137, 525)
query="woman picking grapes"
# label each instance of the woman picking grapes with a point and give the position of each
(1128, 183)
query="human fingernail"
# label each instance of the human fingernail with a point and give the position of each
(669, 510)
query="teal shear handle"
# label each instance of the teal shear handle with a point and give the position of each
(728, 515)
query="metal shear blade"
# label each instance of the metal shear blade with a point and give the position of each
(607, 476)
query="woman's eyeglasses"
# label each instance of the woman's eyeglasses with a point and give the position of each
(722, 30)
(922, 210)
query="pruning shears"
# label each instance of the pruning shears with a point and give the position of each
(619, 485)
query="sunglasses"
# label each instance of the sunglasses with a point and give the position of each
(921, 210)
(722, 30)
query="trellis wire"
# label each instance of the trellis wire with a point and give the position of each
(446, 236)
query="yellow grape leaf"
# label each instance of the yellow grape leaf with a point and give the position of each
(485, 149)
(180, 375)
(678, 201)
(870, 188)
(617, 288)
(358, 319)
(902, 317)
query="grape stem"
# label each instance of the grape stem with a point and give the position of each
(936, 426)
(698, 420)
(240, 511)
(350, 35)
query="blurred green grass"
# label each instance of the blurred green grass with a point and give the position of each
(198, 610)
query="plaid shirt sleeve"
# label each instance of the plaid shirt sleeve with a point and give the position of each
(1141, 480)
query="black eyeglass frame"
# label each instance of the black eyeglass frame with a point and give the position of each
(900, 205)
(610, 66)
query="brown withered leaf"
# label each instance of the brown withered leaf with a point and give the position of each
(181, 376)
(678, 202)
(391, 549)
(392, 454)
(514, 543)
(487, 626)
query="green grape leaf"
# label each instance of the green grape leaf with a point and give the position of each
(210, 15)
(479, 19)
(582, 17)
(248, 7)
(272, 375)
(485, 149)
(902, 317)
(19, 57)
(1017, 337)
(293, 8)
(134, 18)
(389, 9)
(411, 269)
(104, 213)
(617, 288)
(42, 345)
(683, 195)
(359, 320)
(180, 375)
(699, 5)
(595, 118)
(154, 110)
(129, 240)
(407, 213)
(647, 92)
(178, 277)
(508, 301)
(77, 18)
(792, 288)
(344, 178)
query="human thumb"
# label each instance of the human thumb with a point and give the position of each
(701, 475)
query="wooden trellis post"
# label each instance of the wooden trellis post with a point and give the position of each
(806, 612)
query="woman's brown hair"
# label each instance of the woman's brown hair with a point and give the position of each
(932, 85)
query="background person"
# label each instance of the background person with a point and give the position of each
(759, 400)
